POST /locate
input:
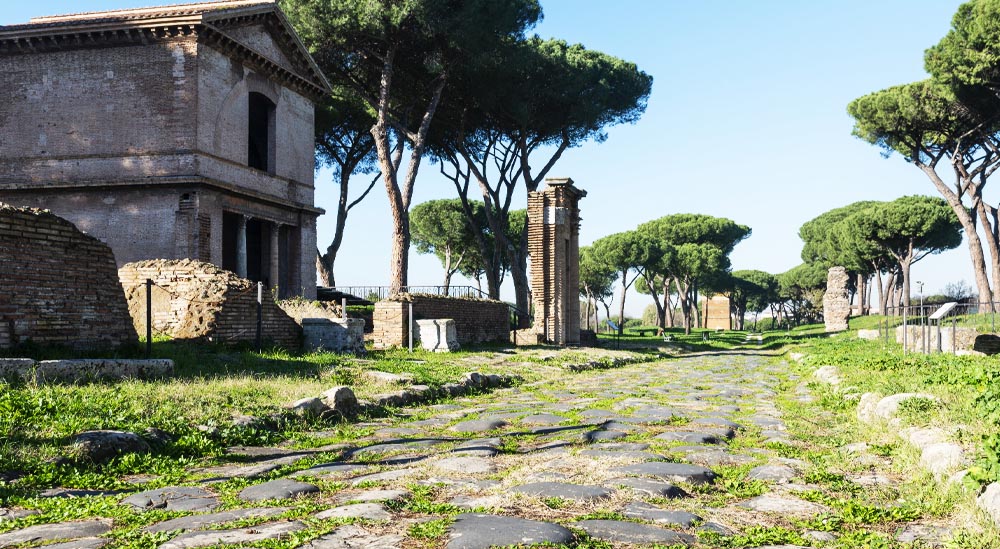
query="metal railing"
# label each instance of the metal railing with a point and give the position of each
(379, 293)
(937, 327)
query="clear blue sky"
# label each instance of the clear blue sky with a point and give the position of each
(747, 121)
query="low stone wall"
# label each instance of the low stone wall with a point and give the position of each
(527, 337)
(964, 338)
(197, 300)
(300, 309)
(476, 320)
(82, 370)
(58, 285)
(337, 335)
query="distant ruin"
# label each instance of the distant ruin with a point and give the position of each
(717, 313)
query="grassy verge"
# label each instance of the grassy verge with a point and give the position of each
(195, 408)
(967, 405)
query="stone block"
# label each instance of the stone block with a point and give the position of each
(88, 369)
(527, 336)
(17, 369)
(989, 501)
(340, 336)
(951, 339)
(438, 335)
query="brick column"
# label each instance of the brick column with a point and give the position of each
(241, 246)
(275, 256)
(553, 242)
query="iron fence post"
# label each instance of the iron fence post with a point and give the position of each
(149, 317)
(260, 316)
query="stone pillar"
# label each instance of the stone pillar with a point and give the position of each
(306, 256)
(275, 258)
(241, 246)
(554, 246)
(836, 306)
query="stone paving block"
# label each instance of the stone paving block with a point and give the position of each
(482, 447)
(652, 513)
(277, 489)
(82, 543)
(372, 496)
(239, 470)
(13, 514)
(368, 511)
(386, 476)
(672, 472)
(475, 531)
(610, 454)
(197, 522)
(646, 486)
(543, 419)
(602, 435)
(327, 470)
(353, 536)
(175, 498)
(770, 503)
(61, 530)
(205, 538)
(631, 532)
(772, 473)
(716, 422)
(470, 465)
(575, 492)
(691, 437)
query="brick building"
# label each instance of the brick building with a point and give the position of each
(176, 132)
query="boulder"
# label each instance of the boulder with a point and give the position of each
(102, 445)
(341, 399)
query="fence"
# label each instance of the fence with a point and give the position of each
(518, 318)
(938, 327)
(379, 293)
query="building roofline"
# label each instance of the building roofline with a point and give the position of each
(154, 11)
(78, 29)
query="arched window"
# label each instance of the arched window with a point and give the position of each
(260, 137)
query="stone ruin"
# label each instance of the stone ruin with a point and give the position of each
(836, 305)
(196, 300)
(717, 315)
(554, 246)
(58, 286)
(475, 320)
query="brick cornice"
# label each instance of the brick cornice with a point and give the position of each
(141, 27)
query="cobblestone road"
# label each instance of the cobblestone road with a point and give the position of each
(658, 453)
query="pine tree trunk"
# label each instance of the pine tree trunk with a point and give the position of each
(621, 306)
(976, 253)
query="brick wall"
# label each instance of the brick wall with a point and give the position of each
(476, 320)
(196, 300)
(57, 285)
